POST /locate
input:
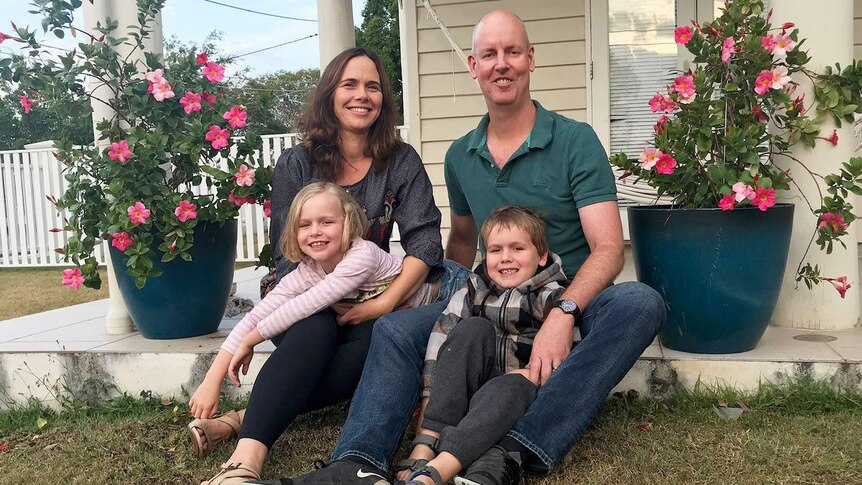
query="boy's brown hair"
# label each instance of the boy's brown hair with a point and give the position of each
(531, 221)
(355, 221)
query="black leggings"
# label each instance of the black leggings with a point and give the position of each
(316, 363)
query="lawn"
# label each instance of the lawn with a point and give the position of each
(32, 290)
(804, 434)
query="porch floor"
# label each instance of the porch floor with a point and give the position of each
(69, 349)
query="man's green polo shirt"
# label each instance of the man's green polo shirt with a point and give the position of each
(560, 168)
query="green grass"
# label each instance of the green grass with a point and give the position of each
(802, 434)
(26, 291)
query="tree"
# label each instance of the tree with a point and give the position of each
(39, 125)
(275, 101)
(379, 32)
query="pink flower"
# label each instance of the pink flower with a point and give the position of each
(155, 77)
(783, 45)
(764, 198)
(799, 104)
(162, 90)
(662, 102)
(186, 211)
(213, 72)
(201, 59)
(684, 86)
(218, 136)
(665, 164)
(138, 213)
(661, 125)
(649, 157)
(779, 77)
(191, 102)
(768, 43)
(239, 200)
(236, 116)
(836, 221)
(73, 278)
(742, 192)
(267, 208)
(121, 240)
(763, 82)
(834, 138)
(244, 176)
(4, 37)
(120, 151)
(208, 97)
(728, 48)
(682, 35)
(757, 111)
(727, 203)
(840, 284)
(787, 25)
(26, 103)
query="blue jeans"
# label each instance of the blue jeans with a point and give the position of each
(618, 324)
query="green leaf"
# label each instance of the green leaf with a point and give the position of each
(41, 422)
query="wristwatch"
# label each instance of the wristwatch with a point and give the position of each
(569, 307)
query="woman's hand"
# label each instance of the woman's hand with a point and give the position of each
(241, 359)
(204, 402)
(356, 313)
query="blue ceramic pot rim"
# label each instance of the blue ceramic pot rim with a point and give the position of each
(674, 208)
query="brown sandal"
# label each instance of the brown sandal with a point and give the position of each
(205, 426)
(232, 474)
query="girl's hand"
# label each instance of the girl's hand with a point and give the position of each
(241, 359)
(204, 402)
(362, 312)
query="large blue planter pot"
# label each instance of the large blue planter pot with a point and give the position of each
(719, 272)
(190, 297)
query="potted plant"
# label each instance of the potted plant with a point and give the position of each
(718, 253)
(165, 180)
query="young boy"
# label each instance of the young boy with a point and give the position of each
(474, 366)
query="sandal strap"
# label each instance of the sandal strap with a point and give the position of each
(233, 470)
(230, 420)
(427, 471)
(427, 440)
(411, 464)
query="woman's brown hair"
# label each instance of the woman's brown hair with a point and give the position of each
(318, 126)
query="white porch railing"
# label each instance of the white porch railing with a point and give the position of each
(28, 177)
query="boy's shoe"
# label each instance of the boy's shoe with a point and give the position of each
(496, 467)
(340, 472)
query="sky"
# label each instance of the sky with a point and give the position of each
(243, 32)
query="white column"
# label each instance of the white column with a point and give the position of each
(335, 28)
(118, 320)
(830, 39)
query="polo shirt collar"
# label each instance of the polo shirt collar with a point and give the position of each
(539, 136)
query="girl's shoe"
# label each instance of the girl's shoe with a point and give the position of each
(233, 474)
(208, 428)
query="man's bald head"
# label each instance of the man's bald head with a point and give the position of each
(500, 19)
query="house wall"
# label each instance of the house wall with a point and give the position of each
(857, 29)
(448, 103)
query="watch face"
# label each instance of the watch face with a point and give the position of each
(567, 306)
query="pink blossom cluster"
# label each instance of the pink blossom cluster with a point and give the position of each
(684, 88)
(728, 48)
(661, 125)
(73, 278)
(778, 45)
(26, 103)
(835, 221)
(159, 87)
(761, 197)
(662, 102)
(840, 283)
(776, 78)
(654, 158)
(239, 201)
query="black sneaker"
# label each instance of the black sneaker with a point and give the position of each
(341, 472)
(496, 467)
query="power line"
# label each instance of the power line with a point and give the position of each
(260, 13)
(272, 46)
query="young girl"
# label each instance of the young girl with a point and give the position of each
(323, 234)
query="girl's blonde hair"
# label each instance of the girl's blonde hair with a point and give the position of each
(355, 221)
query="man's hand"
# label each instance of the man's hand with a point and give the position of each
(551, 346)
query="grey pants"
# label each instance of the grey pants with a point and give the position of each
(473, 404)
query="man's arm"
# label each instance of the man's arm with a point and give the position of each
(604, 233)
(461, 246)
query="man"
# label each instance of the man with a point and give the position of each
(520, 154)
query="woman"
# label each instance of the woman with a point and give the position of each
(349, 138)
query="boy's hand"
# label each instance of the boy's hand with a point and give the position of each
(241, 359)
(551, 346)
(204, 402)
